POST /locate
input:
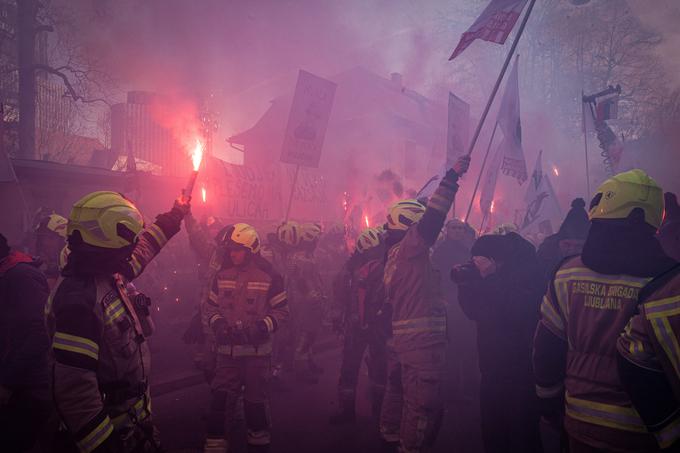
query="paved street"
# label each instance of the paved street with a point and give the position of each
(300, 418)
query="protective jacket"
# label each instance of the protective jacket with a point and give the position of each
(100, 354)
(582, 314)
(412, 284)
(649, 357)
(242, 296)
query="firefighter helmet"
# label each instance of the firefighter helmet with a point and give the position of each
(105, 219)
(289, 233)
(620, 195)
(403, 214)
(369, 238)
(242, 235)
(310, 232)
(56, 223)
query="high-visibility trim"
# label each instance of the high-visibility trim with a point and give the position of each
(157, 233)
(609, 415)
(226, 284)
(262, 437)
(136, 265)
(214, 318)
(246, 350)
(668, 435)
(417, 325)
(280, 297)
(213, 297)
(73, 343)
(114, 311)
(270, 324)
(634, 346)
(261, 286)
(590, 277)
(138, 410)
(551, 317)
(663, 307)
(562, 294)
(551, 391)
(439, 203)
(96, 437)
(668, 340)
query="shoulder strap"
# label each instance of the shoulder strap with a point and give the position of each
(125, 298)
(657, 282)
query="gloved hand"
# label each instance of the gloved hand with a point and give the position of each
(462, 164)
(465, 273)
(182, 206)
(257, 333)
(222, 332)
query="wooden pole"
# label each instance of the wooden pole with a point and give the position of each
(500, 77)
(292, 191)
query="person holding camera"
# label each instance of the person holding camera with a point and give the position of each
(500, 290)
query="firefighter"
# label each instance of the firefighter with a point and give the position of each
(649, 364)
(413, 404)
(24, 383)
(246, 305)
(358, 299)
(99, 330)
(588, 303)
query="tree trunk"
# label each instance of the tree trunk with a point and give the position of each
(26, 23)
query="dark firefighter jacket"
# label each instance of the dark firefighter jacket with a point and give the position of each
(101, 358)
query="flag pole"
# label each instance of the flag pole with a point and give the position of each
(585, 142)
(500, 78)
(481, 172)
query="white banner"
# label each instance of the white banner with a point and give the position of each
(457, 130)
(308, 120)
(513, 164)
(543, 212)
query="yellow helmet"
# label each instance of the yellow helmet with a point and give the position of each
(244, 235)
(57, 224)
(369, 238)
(289, 233)
(504, 228)
(618, 196)
(105, 219)
(310, 232)
(403, 214)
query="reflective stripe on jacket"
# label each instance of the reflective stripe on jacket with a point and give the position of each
(586, 311)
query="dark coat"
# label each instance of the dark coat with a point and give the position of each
(505, 305)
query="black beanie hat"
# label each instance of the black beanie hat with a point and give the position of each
(492, 246)
(576, 224)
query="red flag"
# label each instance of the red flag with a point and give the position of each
(494, 24)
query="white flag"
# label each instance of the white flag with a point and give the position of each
(543, 210)
(489, 184)
(509, 121)
(494, 24)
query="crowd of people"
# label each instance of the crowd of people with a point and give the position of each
(577, 338)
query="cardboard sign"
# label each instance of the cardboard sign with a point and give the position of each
(308, 120)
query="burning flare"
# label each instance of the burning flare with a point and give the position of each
(197, 155)
(366, 220)
(556, 171)
(493, 205)
(204, 194)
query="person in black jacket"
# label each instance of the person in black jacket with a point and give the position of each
(24, 396)
(500, 290)
(568, 241)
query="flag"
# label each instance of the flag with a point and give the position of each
(494, 24)
(543, 210)
(607, 109)
(489, 187)
(509, 121)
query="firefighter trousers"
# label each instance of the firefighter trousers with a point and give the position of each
(357, 340)
(413, 408)
(235, 377)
